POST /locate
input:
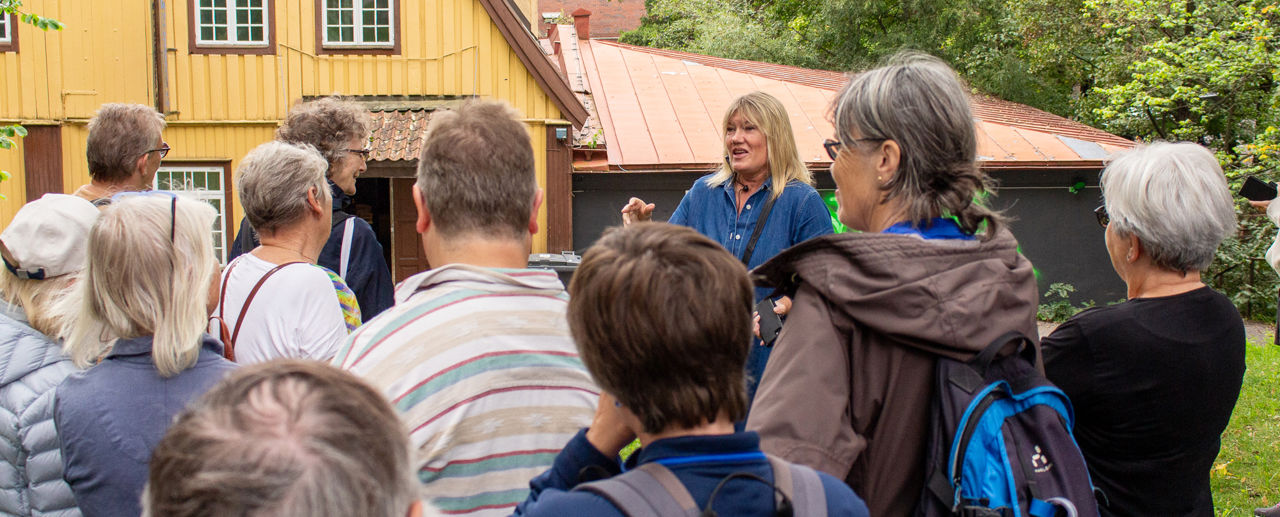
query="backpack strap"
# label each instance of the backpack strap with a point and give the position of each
(801, 485)
(650, 490)
(348, 229)
(228, 346)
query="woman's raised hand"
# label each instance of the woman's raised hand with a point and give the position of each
(636, 211)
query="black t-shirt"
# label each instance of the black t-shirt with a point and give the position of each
(1153, 382)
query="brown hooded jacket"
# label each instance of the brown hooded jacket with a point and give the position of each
(848, 388)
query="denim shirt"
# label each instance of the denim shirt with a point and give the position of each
(111, 416)
(798, 215)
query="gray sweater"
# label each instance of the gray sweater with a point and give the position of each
(31, 366)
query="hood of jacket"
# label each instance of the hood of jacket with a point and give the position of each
(946, 297)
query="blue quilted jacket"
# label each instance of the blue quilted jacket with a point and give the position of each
(31, 366)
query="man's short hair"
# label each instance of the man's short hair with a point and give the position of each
(477, 171)
(662, 318)
(284, 438)
(119, 134)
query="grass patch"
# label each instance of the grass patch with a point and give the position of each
(1246, 474)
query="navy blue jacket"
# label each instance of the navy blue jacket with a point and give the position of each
(552, 493)
(111, 416)
(367, 272)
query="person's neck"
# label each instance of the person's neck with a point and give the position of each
(1154, 282)
(721, 426)
(750, 182)
(498, 253)
(288, 245)
(103, 189)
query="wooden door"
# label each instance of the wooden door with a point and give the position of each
(407, 257)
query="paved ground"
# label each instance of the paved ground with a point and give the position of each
(1256, 332)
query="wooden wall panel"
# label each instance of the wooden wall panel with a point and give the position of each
(14, 188)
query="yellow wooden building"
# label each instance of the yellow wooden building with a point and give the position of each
(224, 72)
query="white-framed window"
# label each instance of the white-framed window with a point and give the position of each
(203, 182)
(6, 29)
(359, 23)
(238, 23)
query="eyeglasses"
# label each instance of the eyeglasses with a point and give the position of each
(364, 153)
(173, 206)
(1101, 214)
(163, 150)
(833, 147)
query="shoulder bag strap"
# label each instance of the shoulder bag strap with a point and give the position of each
(651, 490)
(345, 252)
(223, 333)
(755, 234)
(801, 485)
(244, 309)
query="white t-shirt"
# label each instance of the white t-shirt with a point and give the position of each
(296, 313)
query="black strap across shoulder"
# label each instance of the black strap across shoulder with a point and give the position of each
(755, 234)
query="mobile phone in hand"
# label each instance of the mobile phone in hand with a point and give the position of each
(1255, 189)
(770, 322)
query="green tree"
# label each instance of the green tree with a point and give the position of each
(14, 7)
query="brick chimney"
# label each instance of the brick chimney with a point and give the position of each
(582, 23)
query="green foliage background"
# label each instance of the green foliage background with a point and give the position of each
(1194, 70)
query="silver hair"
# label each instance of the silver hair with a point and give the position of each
(273, 180)
(119, 134)
(149, 263)
(1174, 198)
(917, 101)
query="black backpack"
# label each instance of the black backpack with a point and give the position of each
(1000, 440)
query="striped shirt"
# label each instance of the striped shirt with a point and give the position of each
(480, 365)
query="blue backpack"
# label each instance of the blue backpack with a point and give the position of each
(1000, 440)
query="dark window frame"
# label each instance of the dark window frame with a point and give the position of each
(11, 25)
(397, 35)
(195, 47)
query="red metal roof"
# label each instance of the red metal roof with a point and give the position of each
(656, 109)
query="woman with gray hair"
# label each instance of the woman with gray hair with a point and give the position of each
(1154, 379)
(149, 256)
(934, 273)
(275, 301)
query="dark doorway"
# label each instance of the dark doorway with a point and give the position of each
(372, 197)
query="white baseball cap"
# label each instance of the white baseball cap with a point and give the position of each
(48, 237)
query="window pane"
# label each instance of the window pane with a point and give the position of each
(332, 34)
(215, 183)
(204, 3)
(220, 34)
(255, 17)
(331, 17)
(366, 17)
(369, 4)
(242, 34)
(219, 17)
(242, 3)
(255, 35)
(346, 4)
(348, 18)
(369, 35)
(219, 3)
(206, 33)
(348, 34)
(383, 18)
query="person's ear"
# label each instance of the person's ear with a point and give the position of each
(140, 168)
(533, 215)
(424, 215)
(313, 202)
(888, 157)
(1135, 249)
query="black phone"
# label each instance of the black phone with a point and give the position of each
(770, 322)
(1255, 189)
